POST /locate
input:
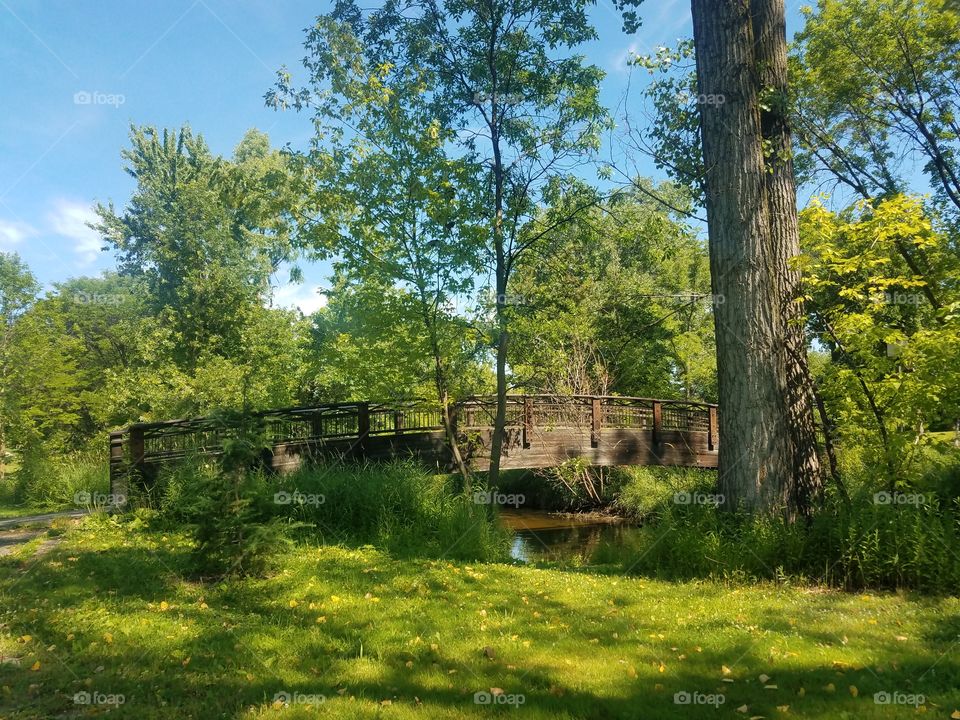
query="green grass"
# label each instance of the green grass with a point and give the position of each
(108, 611)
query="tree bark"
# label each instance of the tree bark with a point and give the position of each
(770, 37)
(768, 459)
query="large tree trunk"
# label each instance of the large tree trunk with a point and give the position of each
(751, 214)
(770, 36)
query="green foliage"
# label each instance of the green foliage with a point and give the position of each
(876, 85)
(76, 480)
(615, 301)
(398, 506)
(869, 546)
(892, 331)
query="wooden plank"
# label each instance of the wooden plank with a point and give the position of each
(712, 429)
(527, 421)
(596, 418)
(657, 420)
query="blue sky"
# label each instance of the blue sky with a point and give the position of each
(77, 73)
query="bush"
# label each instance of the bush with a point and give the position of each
(649, 491)
(397, 506)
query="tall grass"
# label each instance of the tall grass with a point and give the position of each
(73, 480)
(398, 506)
(864, 546)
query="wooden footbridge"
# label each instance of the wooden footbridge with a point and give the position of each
(541, 431)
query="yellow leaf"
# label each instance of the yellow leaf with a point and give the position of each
(764, 678)
(293, 603)
(662, 667)
(35, 666)
(830, 687)
(854, 691)
(955, 715)
(743, 709)
(322, 619)
(725, 670)
(108, 638)
(185, 662)
(25, 638)
(163, 605)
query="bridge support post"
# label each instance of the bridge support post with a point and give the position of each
(119, 469)
(527, 421)
(712, 429)
(657, 421)
(596, 418)
(363, 429)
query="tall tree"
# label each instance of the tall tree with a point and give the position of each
(501, 78)
(386, 202)
(768, 453)
(18, 290)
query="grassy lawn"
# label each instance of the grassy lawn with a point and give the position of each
(106, 612)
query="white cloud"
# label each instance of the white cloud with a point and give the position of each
(309, 298)
(619, 61)
(69, 219)
(13, 232)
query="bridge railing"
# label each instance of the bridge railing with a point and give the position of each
(152, 444)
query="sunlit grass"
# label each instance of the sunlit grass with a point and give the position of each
(108, 612)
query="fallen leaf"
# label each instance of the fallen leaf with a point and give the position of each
(743, 709)
(854, 691)
(35, 666)
(764, 678)
(725, 670)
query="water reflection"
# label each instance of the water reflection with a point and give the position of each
(541, 535)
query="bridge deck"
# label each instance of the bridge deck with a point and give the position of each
(541, 431)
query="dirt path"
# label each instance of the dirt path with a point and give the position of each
(44, 519)
(13, 535)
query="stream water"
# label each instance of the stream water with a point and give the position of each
(540, 535)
